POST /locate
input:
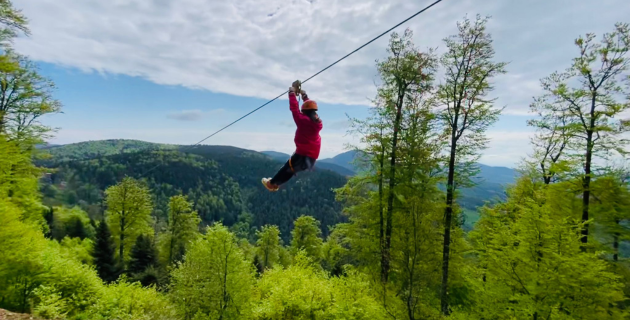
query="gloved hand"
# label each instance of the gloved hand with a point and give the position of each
(304, 96)
(296, 85)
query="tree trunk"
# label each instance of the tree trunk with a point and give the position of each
(392, 184)
(448, 217)
(380, 205)
(586, 181)
(122, 239)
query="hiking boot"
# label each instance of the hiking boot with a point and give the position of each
(270, 186)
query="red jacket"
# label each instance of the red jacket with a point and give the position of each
(307, 139)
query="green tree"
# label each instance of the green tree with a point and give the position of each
(12, 22)
(268, 246)
(303, 291)
(591, 95)
(128, 214)
(144, 255)
(103, 254)
(183, 224)
(531, 265)
(25, 96)
(467, 113)
(215, 280)
(306, 235)
(405, 70)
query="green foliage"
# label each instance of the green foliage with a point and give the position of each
(215, 280)
(51, 305)
(306, 235)
(79, 249)
(128, 214)
(21, 246)
(222, 182)
(103, 254)
(12, 21)
(73, 223)
(144, 255)
(268, 246)
(580, 111)
(183, 228)
(531, 264)
(130, 301)
(25, 96)
(102, 148)
(302, 291)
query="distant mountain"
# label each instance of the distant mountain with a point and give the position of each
(245, 167)
(101, 148)
(223, 182)
(280, 156)
(343, 160)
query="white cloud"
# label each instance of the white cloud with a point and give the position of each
(507, 148)
(186, 115)
(257, 48)
(226, 46)
(192, 115)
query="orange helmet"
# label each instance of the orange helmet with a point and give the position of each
(309, 105)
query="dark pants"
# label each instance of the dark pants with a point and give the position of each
(295, 164)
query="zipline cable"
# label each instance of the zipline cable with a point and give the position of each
(313, 76)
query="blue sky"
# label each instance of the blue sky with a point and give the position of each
(175, 71)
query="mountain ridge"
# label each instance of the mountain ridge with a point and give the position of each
(491, 181)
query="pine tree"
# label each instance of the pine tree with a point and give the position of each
(103, 254)
(144, 256)
(76, 229)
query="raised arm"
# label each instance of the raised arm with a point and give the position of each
(294, 106)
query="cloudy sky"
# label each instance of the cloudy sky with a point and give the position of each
(175, 71)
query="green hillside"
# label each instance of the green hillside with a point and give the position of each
(223, 182)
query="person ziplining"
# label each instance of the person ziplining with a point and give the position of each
(307, 139)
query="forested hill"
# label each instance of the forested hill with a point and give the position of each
(490, 182)
(223, 182)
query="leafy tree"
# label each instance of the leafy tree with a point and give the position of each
(306, 236)
(103, 254)
(25, 96)
(126, 300)
(303, 291)
(73, 223)
(215, 279)
(183, 224)
(12, 22)
(467, 113)
(591, 95)
(144, 255)
(128, 214)
(20, 266)
(80, 249)
(268, 246)
(405, 70)
(530, 262)
(611, 206)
